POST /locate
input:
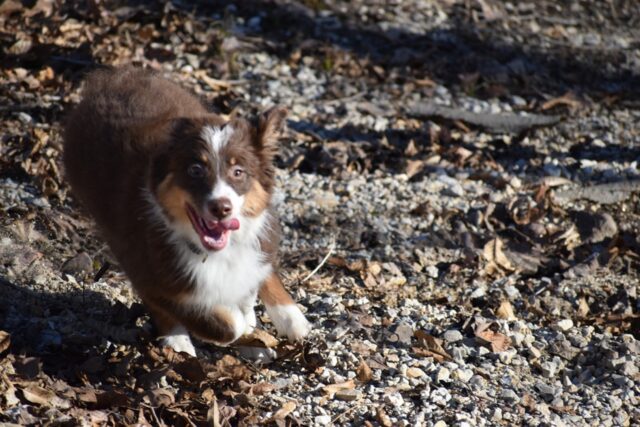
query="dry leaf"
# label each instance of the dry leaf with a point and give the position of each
(583, 307)
(41, 396)
(497, 342)
(383, 418)
(505, 311)
(432, 346)
(257, 338)
(568, 99)
(213, 414)
(5, 341)
(331, 389)
(285, 410)
(497, 261)
(364, 371)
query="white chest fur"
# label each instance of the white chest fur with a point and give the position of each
(232, 276)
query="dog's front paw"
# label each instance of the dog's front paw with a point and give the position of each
(289, 321)
(178, 339)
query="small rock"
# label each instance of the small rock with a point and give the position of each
(549, 369)
(415, 373)
(452, 186)
(546, 391)
(323, 420)
(497, 415)
(463, 375)
(443, 374)
(510, 396)
(347, 395)
(394, 399)
(432, 271)
(453, 335)
(629, 369)
(404, 333)
(565, 324)
(507, 356)
(78, 265)
(534, 352)
(440, 424)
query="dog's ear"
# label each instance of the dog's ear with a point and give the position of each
(271, 124)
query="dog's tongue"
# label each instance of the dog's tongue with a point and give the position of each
(232, 224)
(221, 226)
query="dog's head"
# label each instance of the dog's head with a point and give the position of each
(213, 177)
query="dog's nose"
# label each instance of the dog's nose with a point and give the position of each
(220, 208)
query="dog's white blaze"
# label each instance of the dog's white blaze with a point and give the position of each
(217, 137)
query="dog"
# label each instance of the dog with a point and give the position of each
(184, 200)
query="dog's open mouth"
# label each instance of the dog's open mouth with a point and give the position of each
(214, 235)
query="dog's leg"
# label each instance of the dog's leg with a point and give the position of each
(220, 325)
(249, 313)
(284, 313)
(172, 333)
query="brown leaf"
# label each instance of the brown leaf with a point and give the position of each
(432, 345)
(87, 395)
(497, 261)
(43, 397)
(568, 99)
(5, 341)
(191, 369)
(257, 338)
(285, 410)
(110, 399)
(364, 372)
(414, 167)
(383, 418)
(28, 367)
(159, 397)
(497, 342)
(232, 368)
(583, 307)
(331, 389)
(261, 388)
(505, 311)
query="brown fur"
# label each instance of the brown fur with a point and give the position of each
(129, 133)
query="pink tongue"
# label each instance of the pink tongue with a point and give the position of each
(220, 226)
(232, 224)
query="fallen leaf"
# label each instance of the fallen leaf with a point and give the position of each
(43, 397)
(383, 418)
(28, 367)
(5, 341)
(285, 410)
(159, 397)
(331, 389)
(497, 261)
(583, 307)
(257, 338)
(431, 346)
(568, 99)
(505, 311)
(110, 399)
(364, 372)
(497, 342)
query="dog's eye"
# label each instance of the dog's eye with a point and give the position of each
(237, 171)
(196, 170)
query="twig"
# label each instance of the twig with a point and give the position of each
(332, 247)
(507, 123)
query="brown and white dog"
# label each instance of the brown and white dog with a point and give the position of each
(183, 199)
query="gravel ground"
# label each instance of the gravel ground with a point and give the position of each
(468, 277)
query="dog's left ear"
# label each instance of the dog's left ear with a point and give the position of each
(271, 124)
